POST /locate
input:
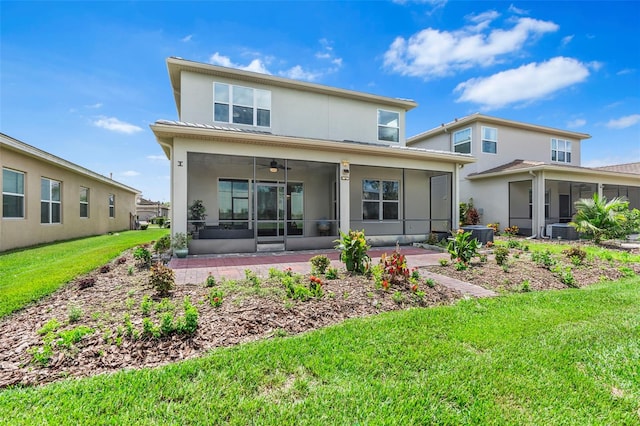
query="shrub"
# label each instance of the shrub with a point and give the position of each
(332, 274)
(495, 227)
(190, 323)
(86, 282)
(163, 244)
(210, 281)
(501, 254)
(315, 286)
(601, 219)
(142, 256)
(462, 247)
(395, 266)
(121, 260)
(567, 278)
(319, 264)
(75, 313)
(252, 277)
(377, 272)
(354, 247)
(161, 279)
(525, 287)
(576, 254)
(544, 259)
(216, 297)
(512, 230)
(104, 269)
(515, 244)
(430, 282)
(146, 305)
(443, 262)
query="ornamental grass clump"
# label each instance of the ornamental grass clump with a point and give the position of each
(354, 247)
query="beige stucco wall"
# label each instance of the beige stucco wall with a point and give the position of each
(513, 144)
(293, 112)
(15, 232)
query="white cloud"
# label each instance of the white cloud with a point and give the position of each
(626, 71)
(327, 53)
(578, 122)
(130, 173)
(517, 11)
(624, 122)
(482, 20)
(524, 84)
(115, 125)
(567, 39)
(160, 157)
(255, 65)
(187, 38)
(97, 105)
(298, 73)
(434, 53)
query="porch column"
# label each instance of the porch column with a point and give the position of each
(600, 190)
(537, 197)
(455, 196)
(345, 208)
(179, 191)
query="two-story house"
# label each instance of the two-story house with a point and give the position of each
(526, 175)
(284, 164)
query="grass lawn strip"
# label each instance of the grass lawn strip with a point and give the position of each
(568, 357)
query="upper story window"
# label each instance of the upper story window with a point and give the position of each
(112, 205)
(241, 105)
(84, 202)
(560, 150)
(380, 199)
(462, 141)
(388, 126)
(489, 140)
(50, 202)
(12, 194)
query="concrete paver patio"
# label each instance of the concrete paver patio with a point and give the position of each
(195, 269)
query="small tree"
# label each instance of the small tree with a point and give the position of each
(601, 219)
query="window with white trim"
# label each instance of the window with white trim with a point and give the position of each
(462, 141)
(84, 202)
(489, 140)
(112, 205)
(388, 126)
(50, 201)
(12, 194)
(560, 150)
(380, 199)
(241, 105)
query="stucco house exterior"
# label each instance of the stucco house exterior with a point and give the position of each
(46, 198)
(285, 164)
(527, 175)
(147, 209)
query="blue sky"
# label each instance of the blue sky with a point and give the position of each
(84, 80)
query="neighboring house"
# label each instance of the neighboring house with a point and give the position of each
(284, 164)
(147, 209)
(527, 175)
(46, 198)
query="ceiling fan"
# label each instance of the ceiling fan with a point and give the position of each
(274, 166)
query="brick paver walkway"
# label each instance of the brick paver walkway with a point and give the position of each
(195, 269)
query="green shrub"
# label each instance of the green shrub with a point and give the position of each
(146, 305)
(567, 278)
(443, 262)
(162, 279)
(190, 323)
(544, 259)
(501, 254)
(75, 314)
(142, 256)
(210, 281)
(354, 247)
(319, 264)
(332, 274)
(216, 297)
(163, 244)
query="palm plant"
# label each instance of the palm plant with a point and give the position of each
(599, 218)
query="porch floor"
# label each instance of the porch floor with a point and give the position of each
(195, 269)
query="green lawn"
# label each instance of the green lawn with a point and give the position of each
(567, 357)
(29, 274)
